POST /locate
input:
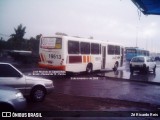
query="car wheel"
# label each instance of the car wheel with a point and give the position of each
(6, 107)
(147, 70)
(38, 94)
(154, 70)
(131, 71)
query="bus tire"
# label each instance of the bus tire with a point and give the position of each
(89, 68)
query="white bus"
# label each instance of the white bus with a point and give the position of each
(75, 54)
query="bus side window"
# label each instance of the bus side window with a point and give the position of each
(117, 50)
(95, 49)
(73, 47)
(85, 48)
(111, 50)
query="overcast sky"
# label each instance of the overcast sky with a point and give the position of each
(108, 20)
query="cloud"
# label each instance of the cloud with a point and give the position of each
(108, 20)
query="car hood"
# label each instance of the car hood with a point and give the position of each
(37, 79)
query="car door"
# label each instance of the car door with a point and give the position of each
(9, 76)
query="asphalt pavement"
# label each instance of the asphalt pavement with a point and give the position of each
(106, 88)
(119, 88)
(119, 85)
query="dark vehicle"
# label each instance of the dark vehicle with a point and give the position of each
(157, 58)
(11, 99)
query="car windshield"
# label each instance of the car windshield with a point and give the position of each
(138, 59)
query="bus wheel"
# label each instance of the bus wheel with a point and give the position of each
(115, 66)
(89, 68)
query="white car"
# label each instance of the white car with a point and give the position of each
(143, 64)
(35, 87)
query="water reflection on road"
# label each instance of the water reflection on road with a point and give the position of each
(106, 88)
(125, 74)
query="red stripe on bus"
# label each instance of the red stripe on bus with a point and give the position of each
(60, 67)
(75, 59)
(42, 59)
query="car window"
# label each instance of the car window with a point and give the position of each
(148, 59)
(152, 59)
(8, 71)
(138, 59)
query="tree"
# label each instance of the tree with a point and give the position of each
(19, 32)
(3, 44)
(38, 37)
(17, 41)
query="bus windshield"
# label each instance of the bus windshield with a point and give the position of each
(51, 43)
(131, 51)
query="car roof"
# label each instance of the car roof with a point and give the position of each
(145, 57)
(141, 56)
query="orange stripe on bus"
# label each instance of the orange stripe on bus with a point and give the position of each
(84, 59)
(42, 57)
(87, 58)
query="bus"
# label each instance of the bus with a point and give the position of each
(131, 52)
(74, 54)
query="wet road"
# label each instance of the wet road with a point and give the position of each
(124, 73)
(105, 88)
(100, 84)
(122, 95)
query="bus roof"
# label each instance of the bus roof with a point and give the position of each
(137, 48)
(76, 38)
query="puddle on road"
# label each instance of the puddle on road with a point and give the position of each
(124, 74)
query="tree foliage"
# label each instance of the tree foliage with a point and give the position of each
(17, 41)
(19, 32)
